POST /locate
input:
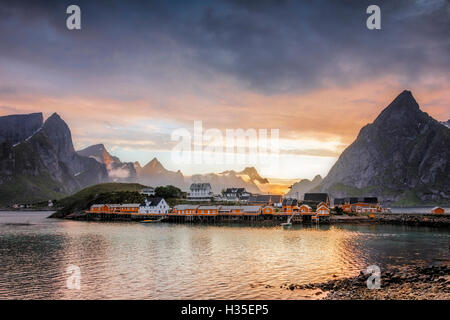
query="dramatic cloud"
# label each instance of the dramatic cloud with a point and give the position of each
(138, 70)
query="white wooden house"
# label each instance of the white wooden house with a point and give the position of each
(154, 206)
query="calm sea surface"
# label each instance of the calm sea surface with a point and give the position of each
(181, 261)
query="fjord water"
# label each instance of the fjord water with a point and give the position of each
(186, 261)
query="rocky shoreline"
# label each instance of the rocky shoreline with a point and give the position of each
(396, 283)
(409, 219)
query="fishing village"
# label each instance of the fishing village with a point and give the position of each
(237, 205)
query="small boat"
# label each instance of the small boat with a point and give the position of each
(286, 224)
(152, 221)
(148, 221)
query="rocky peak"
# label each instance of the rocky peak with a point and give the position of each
(99, 153)
(402, 156)
(254, 175)
(403, 110)
(58, 135)
(154, 166)
(446, 123)
(17, 128)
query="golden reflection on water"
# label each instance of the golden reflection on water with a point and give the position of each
(181, 261)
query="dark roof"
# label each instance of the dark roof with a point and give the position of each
(353, 200)
(235, 190)
(276, 198)
(266, 198)
(316, 197)
(200, 186)
(260, 198)
(338, 201)
(153, 201)
(370, 200)
(290, 202)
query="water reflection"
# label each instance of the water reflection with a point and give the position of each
(178, 261)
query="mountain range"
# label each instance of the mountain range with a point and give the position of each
(402, 158)
(154, 173)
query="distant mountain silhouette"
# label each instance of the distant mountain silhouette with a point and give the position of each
(299, 189)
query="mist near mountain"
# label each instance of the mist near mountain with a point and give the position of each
(299, 189)
(155, 174)
(118, 171)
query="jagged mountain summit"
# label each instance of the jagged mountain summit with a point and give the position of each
(251, 174)
(118, 171)
(446, 123)
(154, 174)
(402, 157)
(44, 165)
(18, 127)
(299, 189)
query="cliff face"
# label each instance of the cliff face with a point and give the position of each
(16, 128)
(45, 166)
(402, 157)
(118, 171)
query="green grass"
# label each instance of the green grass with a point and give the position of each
(29, 189)
(98, 194)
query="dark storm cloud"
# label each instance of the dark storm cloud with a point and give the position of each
(267, 46)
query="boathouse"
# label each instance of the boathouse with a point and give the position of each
(185, 209)
(316, 198)
(322, 209)
(113, 208)
(266, 199)
(359, 205)
(289, 205)
(231, 210)
(306, 210)
(208, 210)
(129, 208)
(252, 210)
(437, 210)
(97, 208)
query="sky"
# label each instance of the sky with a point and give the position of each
(138, 71)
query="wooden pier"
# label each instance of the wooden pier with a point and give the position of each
(207, 219)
